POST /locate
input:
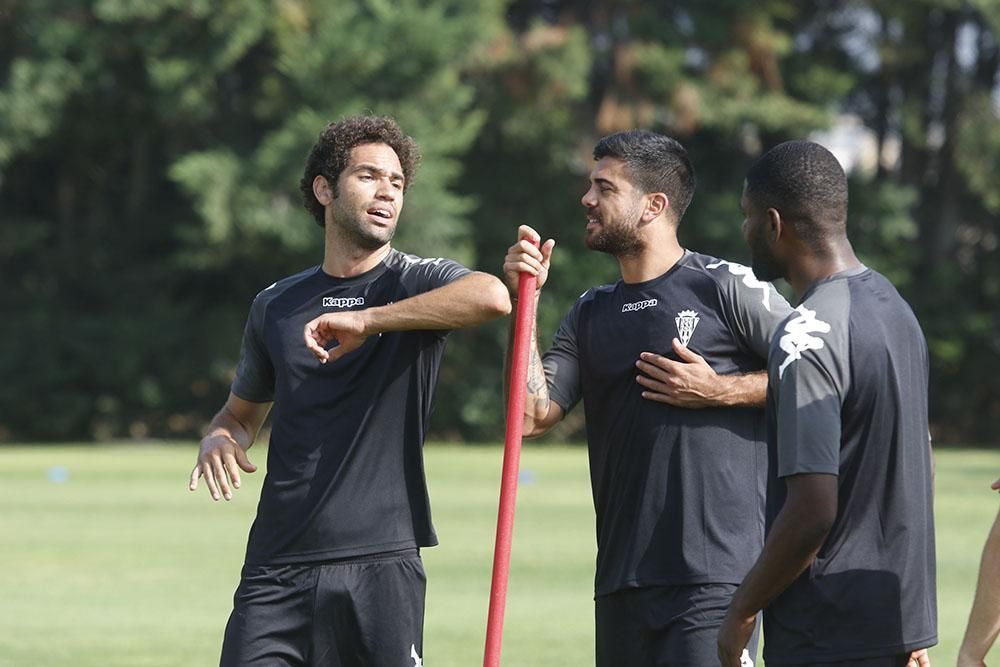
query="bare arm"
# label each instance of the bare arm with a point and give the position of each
(223, 449)
(984, 620)
(691, 382)
(796, 537)
(540, 413)
(468, 301)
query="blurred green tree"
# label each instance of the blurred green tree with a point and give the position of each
(150, 151)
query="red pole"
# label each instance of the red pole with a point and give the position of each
(511, 460)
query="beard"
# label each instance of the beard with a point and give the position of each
(358, 231)
(617, 239)
(765, 265)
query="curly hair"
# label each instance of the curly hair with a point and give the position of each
(332, 151)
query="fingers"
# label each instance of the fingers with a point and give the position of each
(920, 658)
(524, 232)
(995, 485)
(685, 354)
(243, 461)
(221, 478)
(656, 366)
(232, 469)
(195, 474)
(314, 340)
(546, 249)
(208, 471)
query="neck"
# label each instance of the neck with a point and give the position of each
(655, 260)
(343, 259)
(812, 266)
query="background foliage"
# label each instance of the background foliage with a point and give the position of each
(150, 150)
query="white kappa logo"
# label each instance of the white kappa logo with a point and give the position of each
(797, 339)
(686, 321)
(417, 661)
(745, 660)
(343, 302)
(639, 305)
(749, 279)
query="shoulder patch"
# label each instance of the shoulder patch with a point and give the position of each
(749, 279)
(797, 338)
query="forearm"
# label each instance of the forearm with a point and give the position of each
(537, 404)
(468, 301)
(984, 620)
(795, 538)
(743, 391)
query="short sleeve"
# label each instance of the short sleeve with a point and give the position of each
(254, 379)
(754, 307)
(434, 272)
(807, 367)
(562, 363)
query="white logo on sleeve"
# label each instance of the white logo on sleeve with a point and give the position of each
(417, 662)
(749, 279)
(639, 305)
(745, 660)
(686, 321)
(797, 339)
(343, 302)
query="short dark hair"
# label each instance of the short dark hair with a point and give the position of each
(332, 151)
(805, 183)
(656, 163)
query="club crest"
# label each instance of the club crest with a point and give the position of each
(686, 321)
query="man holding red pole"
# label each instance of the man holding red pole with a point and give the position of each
(669, 364)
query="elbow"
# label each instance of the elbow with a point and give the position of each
(496, 299)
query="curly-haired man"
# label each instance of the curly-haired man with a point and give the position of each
(333, 573)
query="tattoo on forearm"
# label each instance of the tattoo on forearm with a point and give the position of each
(538, 388)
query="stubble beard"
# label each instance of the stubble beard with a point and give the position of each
(765, 266)
(617, 239)
(358, 232)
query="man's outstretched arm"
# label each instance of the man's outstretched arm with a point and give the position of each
(472, 299)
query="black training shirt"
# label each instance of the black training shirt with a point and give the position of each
(679, 493)
(345, 471)
(847, 396)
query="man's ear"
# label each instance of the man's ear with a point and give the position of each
(656, 205)
(775, 225)
(322, 191)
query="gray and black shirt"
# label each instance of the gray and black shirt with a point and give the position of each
(345, 473)
(847, 396)
(679, 493)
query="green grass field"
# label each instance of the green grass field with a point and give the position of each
(120, 565)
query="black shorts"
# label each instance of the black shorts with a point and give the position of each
(664, 625)
(882, 661)
(365, 611)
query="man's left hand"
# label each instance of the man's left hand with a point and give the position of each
(734, 635)
(688, 383)
(347, 328)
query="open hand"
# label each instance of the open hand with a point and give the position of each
(220, 460)
(688, 383)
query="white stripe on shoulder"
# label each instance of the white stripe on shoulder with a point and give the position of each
(414, 259)
(749, 279)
